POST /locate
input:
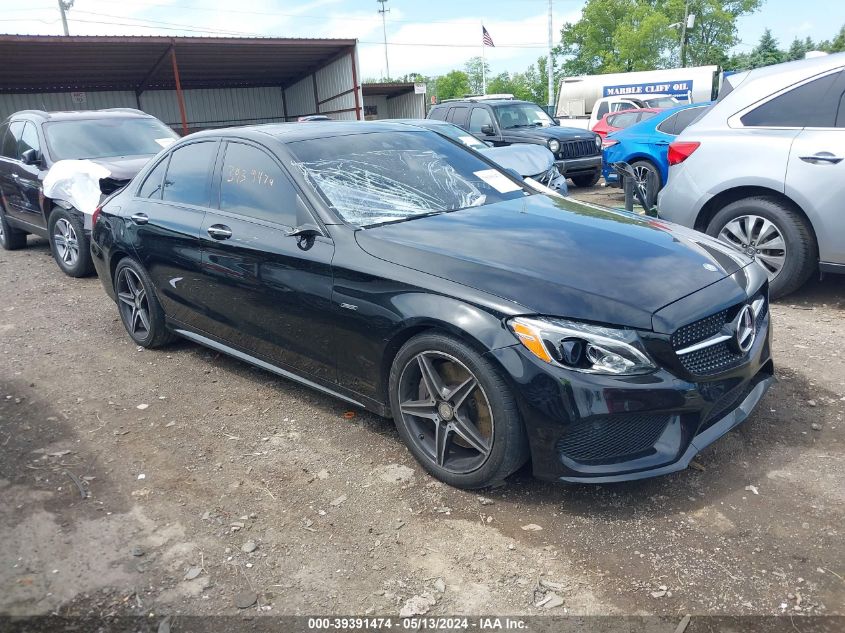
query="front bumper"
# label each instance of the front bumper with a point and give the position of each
(600, 429)
(576, 166)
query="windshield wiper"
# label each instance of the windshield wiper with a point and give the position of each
(405, 219)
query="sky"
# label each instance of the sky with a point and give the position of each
(429, 37)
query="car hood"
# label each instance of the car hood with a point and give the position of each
(123, 167)
(526, 160)
(558, 257)
(544, 134)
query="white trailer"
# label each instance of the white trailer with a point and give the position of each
(577, 95)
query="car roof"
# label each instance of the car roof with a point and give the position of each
(77, 115)
(293, 132)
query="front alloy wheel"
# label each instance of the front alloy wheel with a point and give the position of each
(455, 412)
(761, 235)
(446, 411)
(66, 241)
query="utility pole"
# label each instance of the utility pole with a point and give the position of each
(549, 64)
(384, 12)
(64, 7)
(684, 35)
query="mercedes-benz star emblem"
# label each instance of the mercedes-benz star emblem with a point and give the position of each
(745, 332)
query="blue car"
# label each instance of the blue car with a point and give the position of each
(645, 146)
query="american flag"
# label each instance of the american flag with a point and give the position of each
(486, 40)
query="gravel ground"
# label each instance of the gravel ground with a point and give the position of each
(210, 485)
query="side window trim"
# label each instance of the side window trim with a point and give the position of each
(218, 180)
(735, 120)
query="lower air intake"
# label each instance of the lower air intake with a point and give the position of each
(612, 438)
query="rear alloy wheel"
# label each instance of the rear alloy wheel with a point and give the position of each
(647, 180)
(588, 180)
(69, 243)
(455, 412)
(139, 308)
(777, 236)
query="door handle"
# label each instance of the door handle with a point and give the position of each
(822, 158)
(219, 232)
(139, 218)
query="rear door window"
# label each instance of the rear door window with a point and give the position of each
(253, 184)
(187, 178)
(813, 104)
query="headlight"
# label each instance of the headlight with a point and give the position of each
(598, 141)
(554, 146)
(581, 347)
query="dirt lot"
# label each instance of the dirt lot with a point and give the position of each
(211, 485)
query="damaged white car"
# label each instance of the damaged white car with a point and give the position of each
(56, 167)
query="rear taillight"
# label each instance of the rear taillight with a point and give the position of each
(679, 151)
(608, 142)
(94, 217)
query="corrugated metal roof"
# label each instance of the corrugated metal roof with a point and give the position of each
(389, 89)
(41, 63)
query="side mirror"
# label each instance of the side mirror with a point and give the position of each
(31, 157)
(556, 120)
(488, 130)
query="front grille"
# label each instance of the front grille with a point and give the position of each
(577, 149)
(613, 438)
(721, 356)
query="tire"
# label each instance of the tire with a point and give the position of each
(486, 408)
(588, 180)
(800, 255)
(69, 244)
(10, 239)
(143, 319)
(642, 168)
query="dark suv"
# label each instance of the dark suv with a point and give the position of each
(32, 141)
(508, 121)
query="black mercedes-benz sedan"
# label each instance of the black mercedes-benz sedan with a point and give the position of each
(394, 269)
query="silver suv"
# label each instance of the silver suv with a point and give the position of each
(763, 169)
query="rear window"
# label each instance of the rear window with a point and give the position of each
(107, 137)
(681, 120)
(383, 177)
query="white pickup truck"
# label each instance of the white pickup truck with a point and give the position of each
(605, 105)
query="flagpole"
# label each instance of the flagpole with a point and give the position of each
(483, 63)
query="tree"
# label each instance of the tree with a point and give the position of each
(473, 71)
(796, 50)
(452, 85)
(625, 35)
(766, 52)
(837, 45)
(714, 31)
(615, 36)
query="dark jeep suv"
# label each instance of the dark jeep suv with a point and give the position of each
(31, 141)
(508, 121)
